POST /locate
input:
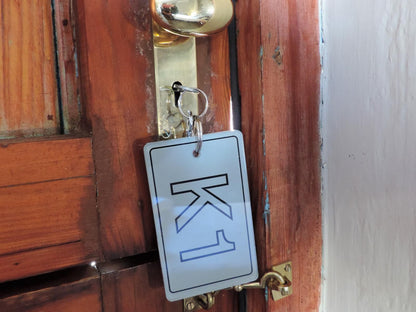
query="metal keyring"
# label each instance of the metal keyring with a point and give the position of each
(198, 133)
(183, 89)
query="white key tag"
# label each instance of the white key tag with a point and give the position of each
(202, 213)
(201, 207)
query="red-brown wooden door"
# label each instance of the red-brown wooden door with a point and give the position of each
(73, 124)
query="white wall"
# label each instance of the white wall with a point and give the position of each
(369, 155)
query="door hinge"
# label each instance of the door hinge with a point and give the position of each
(278, 280)
(205, 302)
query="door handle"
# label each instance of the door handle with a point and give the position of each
(192, 17)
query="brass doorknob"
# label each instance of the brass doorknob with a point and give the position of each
(192, 17)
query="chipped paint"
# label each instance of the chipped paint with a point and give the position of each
(77, 77)
(266, 210)
(261, 56)
(278, 56)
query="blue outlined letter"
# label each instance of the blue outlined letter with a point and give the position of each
(203, 197)
(223, 245)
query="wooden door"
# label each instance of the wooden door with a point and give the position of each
(77, 105)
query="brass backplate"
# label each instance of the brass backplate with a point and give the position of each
(278, 291)
(175, 60)
(284, 269)
(190, 304)
(199, 302)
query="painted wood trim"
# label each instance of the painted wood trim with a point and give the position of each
(279, 67)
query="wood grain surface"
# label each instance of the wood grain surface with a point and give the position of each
(48, 218)
(28, 88)
(71, 107)
(279, 67)
(115, 41)
(214, 78)
(82, 295)
(44, 160)
(138, 288)
(116, 70)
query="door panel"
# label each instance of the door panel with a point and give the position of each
(42, 160)
(52, 189)
(140, 288)
(48, 219)
(136, 288)
(77, 293)
(28, 88)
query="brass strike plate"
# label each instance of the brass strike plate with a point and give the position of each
(175, 60)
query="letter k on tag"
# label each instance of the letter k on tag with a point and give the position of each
(199, 188)
(201, 207)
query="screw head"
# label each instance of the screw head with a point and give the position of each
(288, 268)
(284, 291)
